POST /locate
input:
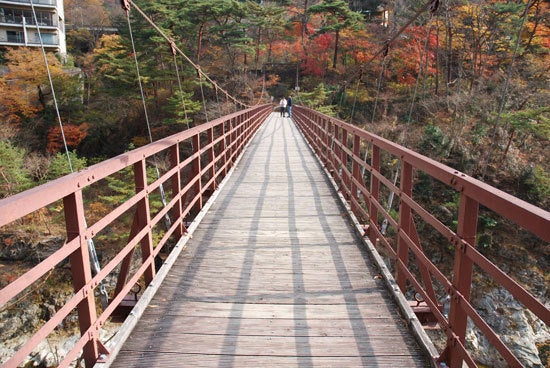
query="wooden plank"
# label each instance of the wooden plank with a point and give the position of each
(273, 326)
(162, 360)
(273, 276)
(322, 346)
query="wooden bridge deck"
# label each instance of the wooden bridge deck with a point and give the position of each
(273, 276)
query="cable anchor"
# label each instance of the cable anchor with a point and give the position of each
(434, 5)
(386, 48)
(125, 6)
(173, 47)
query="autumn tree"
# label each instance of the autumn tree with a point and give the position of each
(86, 13)
(27, 80)
(72, 134)
(337, 16)
(268, 23)
(13, 178)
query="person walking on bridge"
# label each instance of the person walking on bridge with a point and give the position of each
(289, 106)
(282, 106)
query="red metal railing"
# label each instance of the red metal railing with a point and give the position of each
(343, 149)
(193, 174)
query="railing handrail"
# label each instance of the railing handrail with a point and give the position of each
(215, 147)
(523, 213)
(342, 149)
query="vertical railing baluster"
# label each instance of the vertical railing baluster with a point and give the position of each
(405, 218)
(224, 146)
(344, 159)
(211, 156)
(462, 275)
(81, 272)
(356, 175)
(176, 188)
(196, 172)
(374, 191)
(143, 214)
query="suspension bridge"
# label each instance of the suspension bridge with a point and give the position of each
(273, 246)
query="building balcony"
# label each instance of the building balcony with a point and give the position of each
(18, 39)
(18, 21)
(48, 3)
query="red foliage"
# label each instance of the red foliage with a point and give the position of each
(319, 52)
(408, 53)
(74, 134)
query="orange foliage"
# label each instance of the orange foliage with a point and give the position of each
(74, 134)
(272, 80)
(409, 53)
(318, 55)
(19, 87)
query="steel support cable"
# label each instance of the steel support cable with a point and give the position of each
(378, 88)
(126, 5)
(423, 54)
(354, 100)
(167, 220)
(96, 267)
(376, 100)
(203, 98)
(218, 102)
(432, 5)
(504, 97)
(174, 54)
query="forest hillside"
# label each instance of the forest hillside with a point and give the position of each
(465, 83)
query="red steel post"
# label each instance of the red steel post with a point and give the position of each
(196, 171)
(374, 191)
(176, 187)
(211, 155)
(356, 173)
(462, 276)
(405, 221)
(344, 159)
(81, 272)
(144, 218)
(223, 147)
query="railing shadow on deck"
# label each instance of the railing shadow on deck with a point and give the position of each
(358, 161)
(196, 160)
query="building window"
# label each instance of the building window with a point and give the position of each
(15, 37)
(47, 38)
(16, 16)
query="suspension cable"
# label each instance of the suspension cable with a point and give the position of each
(203, 98)
(94, 261)
(504, 97)
(139, 76)
(376, 99)
(218, 103)
(432, 5)
(54, 97)
(167, 220)
(380, 78)
(174, 54)
(355, 98)
(423, 55)
(126, 5)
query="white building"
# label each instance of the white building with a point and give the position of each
(18, 26)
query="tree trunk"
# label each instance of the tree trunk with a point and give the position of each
(335, 58)
(512, 133)
(436, 92)
(199, 43)
(537, 19)
(304, 26)
(258, 40)
(449, 52)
